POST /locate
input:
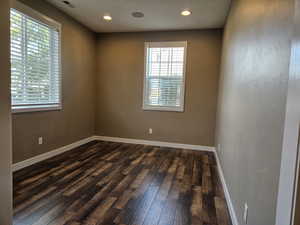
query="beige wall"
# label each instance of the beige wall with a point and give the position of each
(76, 120)
(253, 88)
(120, 88)
(291, 145)
(5, 120)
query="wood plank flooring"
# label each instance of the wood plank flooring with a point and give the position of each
(106, 183)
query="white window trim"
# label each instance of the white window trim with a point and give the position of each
(37, 108)
(41, 18)
(182, 97)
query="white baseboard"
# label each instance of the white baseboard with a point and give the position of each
(155, 143)
(39, 158)
(47, 155)
(226, 191)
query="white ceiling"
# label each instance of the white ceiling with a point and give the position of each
(159, 14)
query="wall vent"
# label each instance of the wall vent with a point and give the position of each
(138, 14)
(69, 4)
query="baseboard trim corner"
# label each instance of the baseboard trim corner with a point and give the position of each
(155, 143)
(226, 191)
(47, 155)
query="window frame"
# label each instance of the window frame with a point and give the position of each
(43, 19)
(165, 44)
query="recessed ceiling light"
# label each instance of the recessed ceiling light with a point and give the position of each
(186, 13)
(107, 17)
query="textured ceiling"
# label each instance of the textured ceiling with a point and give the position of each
(159, 14)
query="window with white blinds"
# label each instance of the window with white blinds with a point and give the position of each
(164, 81)
(35, 63)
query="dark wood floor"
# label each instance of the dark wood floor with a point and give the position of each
(105, 183)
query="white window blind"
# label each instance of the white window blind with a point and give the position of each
(35, 63)
(164, 76)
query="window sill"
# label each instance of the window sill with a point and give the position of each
(38, 108)
(164, 109)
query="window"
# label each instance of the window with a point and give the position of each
(35, 62)
(164, 76)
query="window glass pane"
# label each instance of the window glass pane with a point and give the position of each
(164, 78)
(35, 72)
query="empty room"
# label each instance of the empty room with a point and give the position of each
(136, 112)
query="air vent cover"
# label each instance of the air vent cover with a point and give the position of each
(68, 4)
(138, 14)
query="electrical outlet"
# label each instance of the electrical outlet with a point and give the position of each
(246, 213)
(40, 140)
(150, 131)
